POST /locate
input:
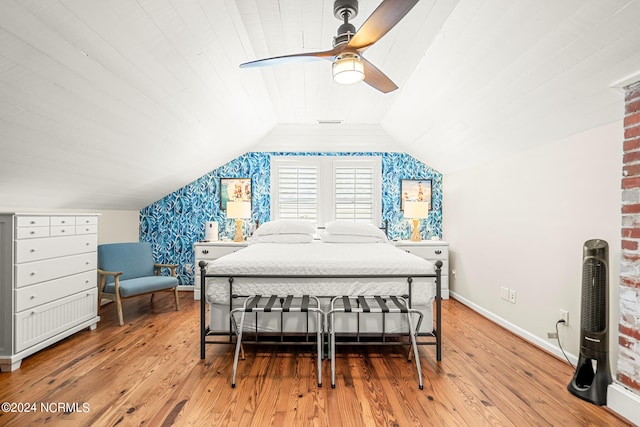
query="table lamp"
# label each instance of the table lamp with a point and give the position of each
(416, 211)
(238, 211)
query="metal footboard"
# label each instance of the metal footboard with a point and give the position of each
(207, 335)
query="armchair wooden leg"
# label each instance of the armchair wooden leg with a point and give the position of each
(175, 293)
(119, 305)
(152, 297)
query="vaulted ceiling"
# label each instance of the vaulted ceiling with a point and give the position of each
(114, 104)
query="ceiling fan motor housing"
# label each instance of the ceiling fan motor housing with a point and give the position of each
(350, 7)
(345, 10)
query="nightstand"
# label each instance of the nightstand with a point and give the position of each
(208, 251)
(431, 250)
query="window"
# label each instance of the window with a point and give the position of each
(296, 191)
(323, 189)
(354, 193)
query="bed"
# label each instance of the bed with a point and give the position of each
(290, 258)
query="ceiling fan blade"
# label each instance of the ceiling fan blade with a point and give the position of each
(377, 79)
(383, 19)
(296, 57)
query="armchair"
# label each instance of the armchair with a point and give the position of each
(127, 270)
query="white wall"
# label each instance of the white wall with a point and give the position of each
(521, 222)
(119, 226)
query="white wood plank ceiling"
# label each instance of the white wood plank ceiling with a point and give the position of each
(114, 104)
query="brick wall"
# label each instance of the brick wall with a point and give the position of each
(629, 327)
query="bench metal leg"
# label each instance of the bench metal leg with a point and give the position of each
(332, 348)
(238, 345)
(319, 341)
(412, 334)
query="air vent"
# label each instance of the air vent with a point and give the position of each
(330, 122)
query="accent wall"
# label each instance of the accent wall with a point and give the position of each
(174, 223)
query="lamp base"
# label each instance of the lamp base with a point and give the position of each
(415, 236)
(239, 237)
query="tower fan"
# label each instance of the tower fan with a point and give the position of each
(592, 375)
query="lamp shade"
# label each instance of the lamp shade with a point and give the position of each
(238, 210)
(348, 68)
(416, 209)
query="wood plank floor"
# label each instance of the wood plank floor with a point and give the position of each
(148, 372)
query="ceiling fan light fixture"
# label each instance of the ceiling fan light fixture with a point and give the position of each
(348, 68)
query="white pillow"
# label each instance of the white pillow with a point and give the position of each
(354, 229)
(350, 238)
(283, 238)
(285, 226)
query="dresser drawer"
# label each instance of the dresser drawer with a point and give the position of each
(428, 252)
(53, 268)
(32, 221)
(36, 249)
(214, 252)
(42, 293)
(63, 230)
(31, 232)
(87, 229)
(37, 324)
(86, 220)
(63, 220)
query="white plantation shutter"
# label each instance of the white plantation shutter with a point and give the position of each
(327, 188)
(297, 194)
(354, 193)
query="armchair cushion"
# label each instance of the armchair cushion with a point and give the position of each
(142, 285)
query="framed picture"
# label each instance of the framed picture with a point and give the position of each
(235, 190)
(415, 190)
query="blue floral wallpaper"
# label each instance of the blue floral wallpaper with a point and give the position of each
(175, 222)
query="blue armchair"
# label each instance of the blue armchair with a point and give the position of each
(127, 269)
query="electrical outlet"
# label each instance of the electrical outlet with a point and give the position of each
(504, 293)
(512, 296)
(552, 335)
(564, 315)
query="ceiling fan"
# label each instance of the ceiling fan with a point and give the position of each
(349, 66)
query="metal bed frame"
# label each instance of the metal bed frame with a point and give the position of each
(259, 337)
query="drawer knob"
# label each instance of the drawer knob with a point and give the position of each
(438, 251)
(32, 250)
(32, 297)
(32, 232)
(205, 251)
(33, 273)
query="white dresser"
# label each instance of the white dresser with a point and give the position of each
(208, 251)
(431, 250)
(48, 281)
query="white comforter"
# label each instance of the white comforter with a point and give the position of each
(321, 259)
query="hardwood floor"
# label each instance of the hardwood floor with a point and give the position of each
(148, 372)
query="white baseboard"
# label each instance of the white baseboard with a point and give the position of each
(624, 402)
(553, 349)
(619, 399)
